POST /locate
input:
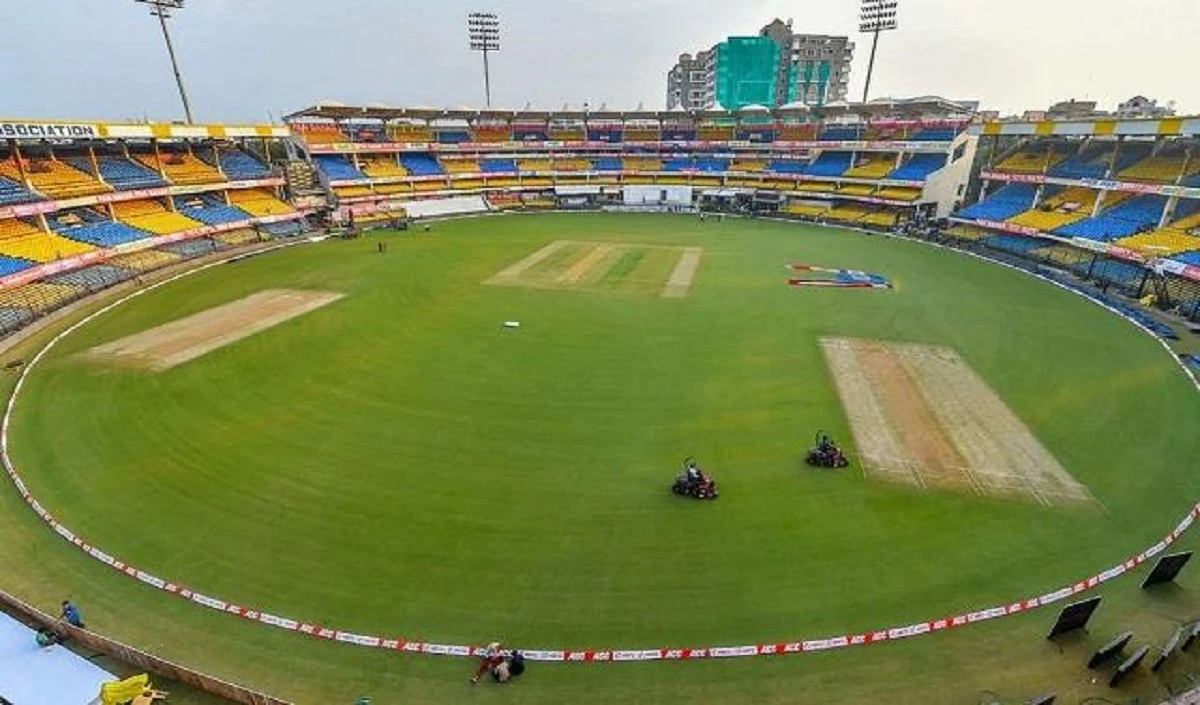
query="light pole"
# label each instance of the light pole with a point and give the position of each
(484, 30)
(162, 10)
(876, 16)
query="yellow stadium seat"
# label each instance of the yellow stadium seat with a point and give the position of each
(748, 165)
(352, 191)
(817, 186)
(323, 134)
(1179, 236)
(54, 178)
(144, 260)
(534, 165)
(39, 296)
(639, 164)
(410, 133)
(856, 189)
(1030, 162)
(1164, 169)
(461, 166)
(152, 216)
(259, 202)
(872, 166)
(21, 239)
(896, 193)
(572, 165)
(382, 167)
(182, 168)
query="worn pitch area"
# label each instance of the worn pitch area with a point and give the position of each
(921, 416)
(614, 267)
(175, 343)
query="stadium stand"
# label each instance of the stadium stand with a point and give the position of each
(144, 260)
(22, 240)
(421, 165)
(1160, 169)
(918, 167)
(1003, 204)
(152, 216)
(1031, 159)
(408, 132)
(54, 178)
(872, 165)
(748, 165)
(121, 173)
(209, 209)
(1063, 208)
(572, 165)
(1178, 236)
(259, 202)
(461, 166)
(338, 168)
(839, 134)
(932, 134)
(240, 166)
(899, 193)
(1130, 217)
(12, 192)
(498, 166)
(90, 227)
(182, 168)
(1014, 244)
(788, 166)
(1091, 163)
(830, 164)
(378, 167)
(317, 133)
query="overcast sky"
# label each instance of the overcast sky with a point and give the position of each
(246, 59)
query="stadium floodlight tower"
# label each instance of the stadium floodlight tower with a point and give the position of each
(484, 30)
(876, 16)
(162, 10)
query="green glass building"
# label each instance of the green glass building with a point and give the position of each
(745, 71)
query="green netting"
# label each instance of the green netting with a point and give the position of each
(746, 69)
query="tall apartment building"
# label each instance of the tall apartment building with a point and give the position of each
(774, 68)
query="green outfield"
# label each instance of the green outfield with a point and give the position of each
(396, 462)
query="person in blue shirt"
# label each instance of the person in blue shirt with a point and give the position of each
(70, 613)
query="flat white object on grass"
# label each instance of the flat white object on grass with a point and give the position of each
(512, 324)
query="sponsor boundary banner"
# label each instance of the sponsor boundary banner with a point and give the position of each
(400, 644)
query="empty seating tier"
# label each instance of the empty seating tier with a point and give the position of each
(421, 164)
(337, 168)
(1130, 217)
(1003, 204)
(182, 168)
(872, 166)
(919, 167)
(259, 202)
(239, 166)
(54, 178)
(12, 192)
(21, 239)
(153, 217)
(381, 167)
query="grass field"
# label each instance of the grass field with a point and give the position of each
(397, 463)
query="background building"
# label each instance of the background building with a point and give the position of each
(774, 68)
(1143, 107)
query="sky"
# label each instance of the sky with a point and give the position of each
(255, 60)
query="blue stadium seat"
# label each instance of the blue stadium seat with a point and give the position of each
(1015, 244)
(1192, 258)
(1193, 180)
(919, 167)
(1003, 204)
(239, 166)
(12, 265)
(498, 166)
(831, 164)
(839, 134)
(787, 166)
(121, 173)
(337, 168)
(935, 134)
(607, 164)
(421, 164)
(104, 233)
(527, 135)
(11, 193)
(1127, 218)
(216, 215)
(453, 136)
